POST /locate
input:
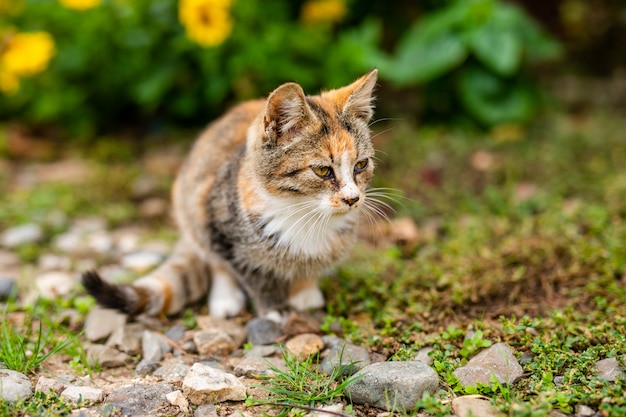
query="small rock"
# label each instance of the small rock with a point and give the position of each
(51, 285)
(350, 358)
(584, 411)
(140, 399)
(526, 358)
(424, 355)
(153, 346)
(173, 373)
(178, 399)
(9, 260)
(331, 411)
(7, 288)
(258, 367)
(14, 386)
(214, 342)
(75, 393)
(404, 233)
(473, 405)
(69, 242)
(262, 351)
(21, 235)
(497, 360)
(206, 410)
(393, 386)
(100, 242)
(558, 380)
(609, 369)
(304, 345)
(45, 385)
(263, 331)
(101, 322)
(236, 331)
(127, 338)
(176, 333)
(556, 413)
(205, 384)
(146, 367)
(141, 261)
(105, 356)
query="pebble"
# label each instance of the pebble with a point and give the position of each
(21, 235)
(304, 345)
(141, 261)
(236, 331)
(105, 356)
(140, 399)
(178, 399)
(262, 351)
(101, 322)
(146, 367)
(584, 411)
(497, 360)
(326, 411)
(153, 346)
(7, 287)
(262, 331)
(55, 284)
(46, 385)
(14, 386)
(259, 367)
(609, 369)
(393, 386)
(206, 410)
(50, 262)
(473, 405)
(9, 260)
(214, 342)
(127, 338)
(205, 384)
(424, 355)
(173, 373)
(69, 242)
(350, 358)
(176, 333)
(76, 393)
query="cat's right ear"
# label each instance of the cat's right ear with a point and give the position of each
(286, 111)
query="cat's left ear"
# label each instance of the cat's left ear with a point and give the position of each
(360, 100)
(286, 112)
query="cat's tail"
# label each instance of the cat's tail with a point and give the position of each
(182, 279)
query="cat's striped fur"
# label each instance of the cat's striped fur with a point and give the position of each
(268, 197)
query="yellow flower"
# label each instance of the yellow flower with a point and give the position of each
(323, 11)
(206, 22)
(80, 4)
(9, 83)
(27, 53)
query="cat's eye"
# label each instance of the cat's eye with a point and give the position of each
(323, 172)
(360, 166)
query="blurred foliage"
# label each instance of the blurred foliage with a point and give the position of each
(115, 63)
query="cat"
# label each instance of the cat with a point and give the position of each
(269, 197)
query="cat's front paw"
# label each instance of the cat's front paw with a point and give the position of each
(226, 304)
(307, 299)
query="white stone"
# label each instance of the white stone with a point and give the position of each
(178, 399)
(101, 322)
(204, 384)
(45, 385)
(473, 405)
(75, 393)
(20, 235)
(54, 284)
(50, 262)
(14, 386)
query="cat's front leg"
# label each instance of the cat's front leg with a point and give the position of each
(226, 299)
(304, 294)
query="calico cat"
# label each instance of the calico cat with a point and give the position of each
(268, 197)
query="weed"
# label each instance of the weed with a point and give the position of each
(40, 404)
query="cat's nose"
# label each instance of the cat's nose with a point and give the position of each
(350, 200)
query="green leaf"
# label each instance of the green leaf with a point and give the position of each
(500, 49)
(493, 100)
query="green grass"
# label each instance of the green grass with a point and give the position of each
(39, 405)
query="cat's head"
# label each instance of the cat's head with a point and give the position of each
(318, 148)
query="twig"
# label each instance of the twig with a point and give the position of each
(304, 407)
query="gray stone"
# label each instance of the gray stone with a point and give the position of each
(55, 284)
(45, 385)
(584, 411)
(75, 393)
(140, 399)
(424, 355)
(204, 384)
(146, 367)
(21, 235)
(153, 346)
(236, 331)
(263, 331)
(473, 405)
(526, 358)
(262, 351)
(214, 342)
(609, 369)
(176, 333)
(496, 361)
(127, 338)
(101, 322)
(304, 345)
(14, 386)
(174, 372)
(105, 356)
(7, 287)
(259, 367)
(393, 386)
(350, 358)
(206, 410)
(556, 413)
